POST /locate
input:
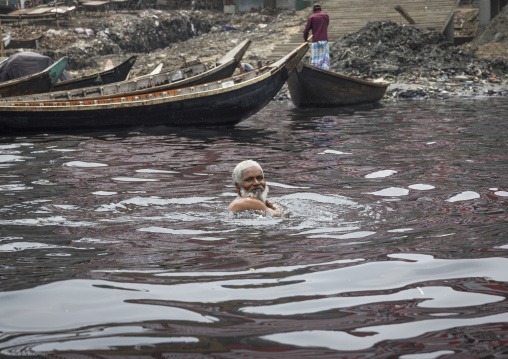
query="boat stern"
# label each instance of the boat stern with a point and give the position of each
(236, 53)
(291, 60)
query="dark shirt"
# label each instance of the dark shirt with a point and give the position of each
(318, 22)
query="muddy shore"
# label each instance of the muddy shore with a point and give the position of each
(418, 65)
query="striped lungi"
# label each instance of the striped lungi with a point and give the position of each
(320, 55)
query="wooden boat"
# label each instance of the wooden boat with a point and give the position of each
(25, 42)
(39, 82)
(224, 102)
(116, 74)
(191, 75)
(310, 86)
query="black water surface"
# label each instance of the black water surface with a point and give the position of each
(118, 244)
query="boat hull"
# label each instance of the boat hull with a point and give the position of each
(119, 73)
(313, 87)
(25, 43)
(188, 76)
(225, 102)
(223, 108)
(39, 82)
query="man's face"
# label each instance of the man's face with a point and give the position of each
(253, 184)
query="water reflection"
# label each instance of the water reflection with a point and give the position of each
(119, 243)
(76, 304)
(364, 339)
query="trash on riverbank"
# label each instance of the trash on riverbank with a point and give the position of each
(425, 63)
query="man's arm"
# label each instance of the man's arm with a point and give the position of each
(248, 203)
(307, 29)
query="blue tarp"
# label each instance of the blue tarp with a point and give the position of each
(26, 63)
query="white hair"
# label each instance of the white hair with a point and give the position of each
(242, 166)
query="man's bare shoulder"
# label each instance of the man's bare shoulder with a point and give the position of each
(246, 203)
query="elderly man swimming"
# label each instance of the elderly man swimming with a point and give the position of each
(252, 190)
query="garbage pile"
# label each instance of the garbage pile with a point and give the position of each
(159, 36)
(120, 35)
(386, 48)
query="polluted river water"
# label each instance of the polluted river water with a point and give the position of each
(118, 244)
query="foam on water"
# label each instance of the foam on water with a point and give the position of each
(43, 182)
(209, 239)
(84, 164)
(334, 152)
(282, 185)
(399, 230)
(13, 158)
(22, 246)
(153, 201)
(228, 194)
(320, 198)
(133, 179)
(94, 241)
(421, 187)
(68, 207)
(104, 193)
(9, 238)
(174, 231)
(327, 230)
(391, 192)
(464, 196)
(380, 174)
(147, 170)
(14, 187)
(360, 234)
(15, 145)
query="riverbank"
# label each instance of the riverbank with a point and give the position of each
(417, 64)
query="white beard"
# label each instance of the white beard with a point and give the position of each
(262, 196)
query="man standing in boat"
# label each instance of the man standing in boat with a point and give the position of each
(252, 190)
(319, 50)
